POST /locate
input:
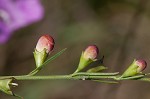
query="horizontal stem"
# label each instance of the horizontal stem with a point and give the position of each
(78, 76)
(58, 77)
(53, 77)
(67, 77)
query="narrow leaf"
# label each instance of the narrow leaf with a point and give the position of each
(106, 81)
(132, 77)
(97, 69)
(35, 71)
(53, 57)
(95, 74)
(17, 96)
(145, 79)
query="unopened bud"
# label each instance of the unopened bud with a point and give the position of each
(44, 46)
(45, 42)
(136, 67)
(91, 52)
(141, 65)
(88, 56)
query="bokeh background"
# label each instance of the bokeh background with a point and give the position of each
(120, 28)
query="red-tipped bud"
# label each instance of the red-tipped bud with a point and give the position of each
(136, 67)
(91, 52)
(45, 42)
(88, 56)
(44, 46)
(141, 65)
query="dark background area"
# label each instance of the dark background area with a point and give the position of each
(120, 28)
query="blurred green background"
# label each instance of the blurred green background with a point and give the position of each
(120, 28)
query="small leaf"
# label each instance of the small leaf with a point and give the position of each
(35, 71)
(97, 69)
(53, 57)
(17, 96)
(145, 79)
(132, 77)
(94, 74)
(106, 81)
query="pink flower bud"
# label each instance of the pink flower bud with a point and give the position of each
(141, 65)
(91, 52)
(45, 41)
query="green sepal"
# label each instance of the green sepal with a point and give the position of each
(131, 70)
(40, 57)
(97, 69)
(5, 86)
(35, 71)
(83, 63)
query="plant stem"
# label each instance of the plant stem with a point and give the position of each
(79, 76)
(67, 77)
(59, 77)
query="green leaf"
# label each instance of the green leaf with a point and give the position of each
(97, 69)
(132, 77)
(94, 74)
(35, 71)
(145, 79)
(106, 81)
(53, 57)
(17, 96)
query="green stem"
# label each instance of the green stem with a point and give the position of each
(57, 77)
(78, 76)
(67, 77)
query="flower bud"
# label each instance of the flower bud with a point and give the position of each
(91, 52)
(45, 42)
(44, 46)
(141, 65)
(136, 67)
(88, 56)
